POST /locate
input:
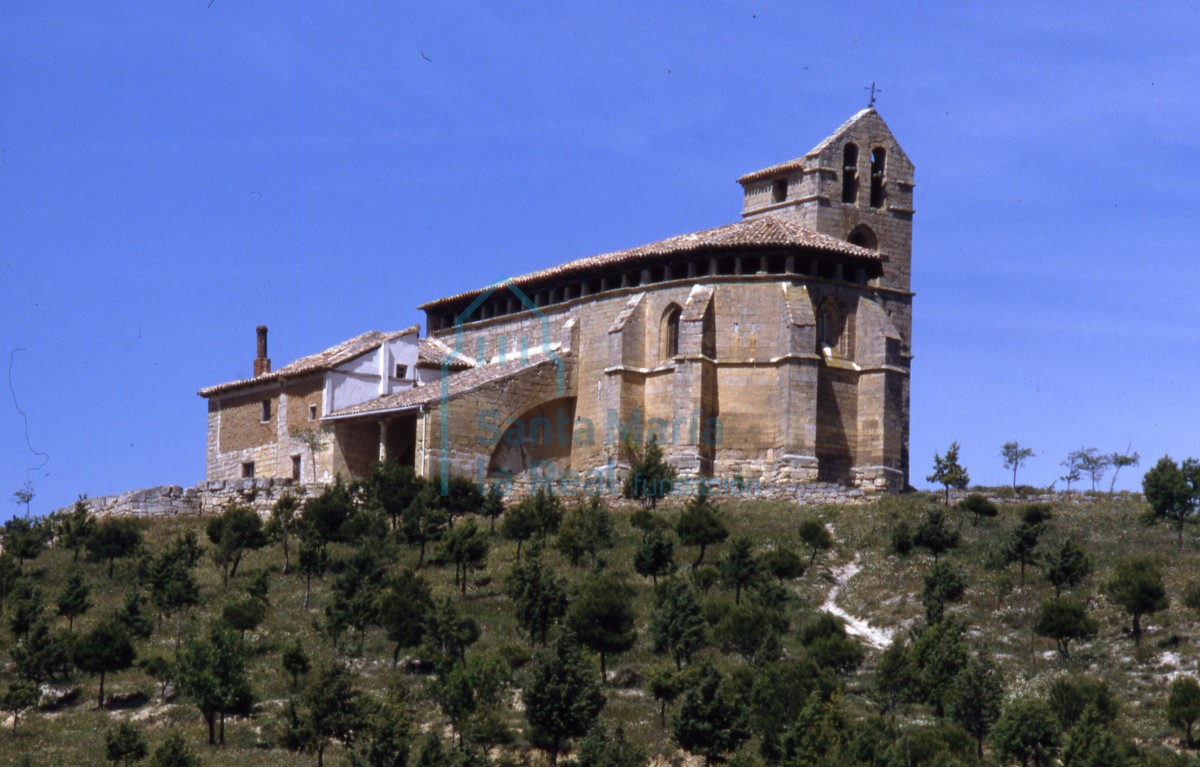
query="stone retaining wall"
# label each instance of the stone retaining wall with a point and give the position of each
(261, 494)
(204, 498)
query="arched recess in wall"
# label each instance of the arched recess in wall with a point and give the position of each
(864, 237)
(541, 436)
(668, 334)
(833, 329)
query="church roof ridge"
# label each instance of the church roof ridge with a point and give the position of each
(761, 231)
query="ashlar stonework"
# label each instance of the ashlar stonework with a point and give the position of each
(772, 353)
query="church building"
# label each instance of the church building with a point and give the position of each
(775, 350)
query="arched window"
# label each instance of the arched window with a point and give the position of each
(878, 160)
(864, 238)
(669, 343)
(850, 173)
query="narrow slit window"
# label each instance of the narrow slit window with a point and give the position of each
(312, 412)
(296, 466)
(266, 411)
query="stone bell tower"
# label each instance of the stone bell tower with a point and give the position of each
(856, 185)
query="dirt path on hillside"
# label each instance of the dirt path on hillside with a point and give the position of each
(878, 638)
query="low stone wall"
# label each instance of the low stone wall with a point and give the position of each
(261, 494)
(204, 498)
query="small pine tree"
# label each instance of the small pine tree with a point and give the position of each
(650, 477)
(21, 695)
(1090, 743)
(75, 599)
(599, 749)
(244, 615)
(125, 744)
(938, 655)
(330, 709)
(943, 585)
(655, 556)
(678, 624)
(295, 661)
(493, 505)
(1064, 620)
(114, 538)
(975, 698)
(520, 523)
(739, 569)
(403, 606)
(237, 530)
(664, 684)
(1137, 586)
(602, 617)
(76, 528)
(782, 564)
(103, 650)
(212, 672)
(1027, 733)
(539, 597)
(1173, 491)
(174, 752)
(282, 524)
(562, 699)
(700, 525)
(586, 529)
(709, 722)
(979, 505)
(947, 471)
(161, 670)
(816, 537)
(1068, 568)
(934, 535)
(467, 547)
(1183, 706)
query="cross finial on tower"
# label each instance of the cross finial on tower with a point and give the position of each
(873, 91)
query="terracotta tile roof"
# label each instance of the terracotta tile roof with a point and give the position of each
(319, 362)
(458, 384)
(760, 232)
(433, 353)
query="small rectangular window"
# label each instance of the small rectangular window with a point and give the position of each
(296, 468)
(402, 371)
(266, 411)
(312, 412)
(248, 470)
(779, 189)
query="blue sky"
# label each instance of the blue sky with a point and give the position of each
(173, 174)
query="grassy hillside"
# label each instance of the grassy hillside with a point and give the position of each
(879, 589)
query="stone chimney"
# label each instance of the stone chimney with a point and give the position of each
(262, 363)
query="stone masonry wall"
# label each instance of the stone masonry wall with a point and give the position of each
(210, 497)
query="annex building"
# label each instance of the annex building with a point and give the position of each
(775, 349)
